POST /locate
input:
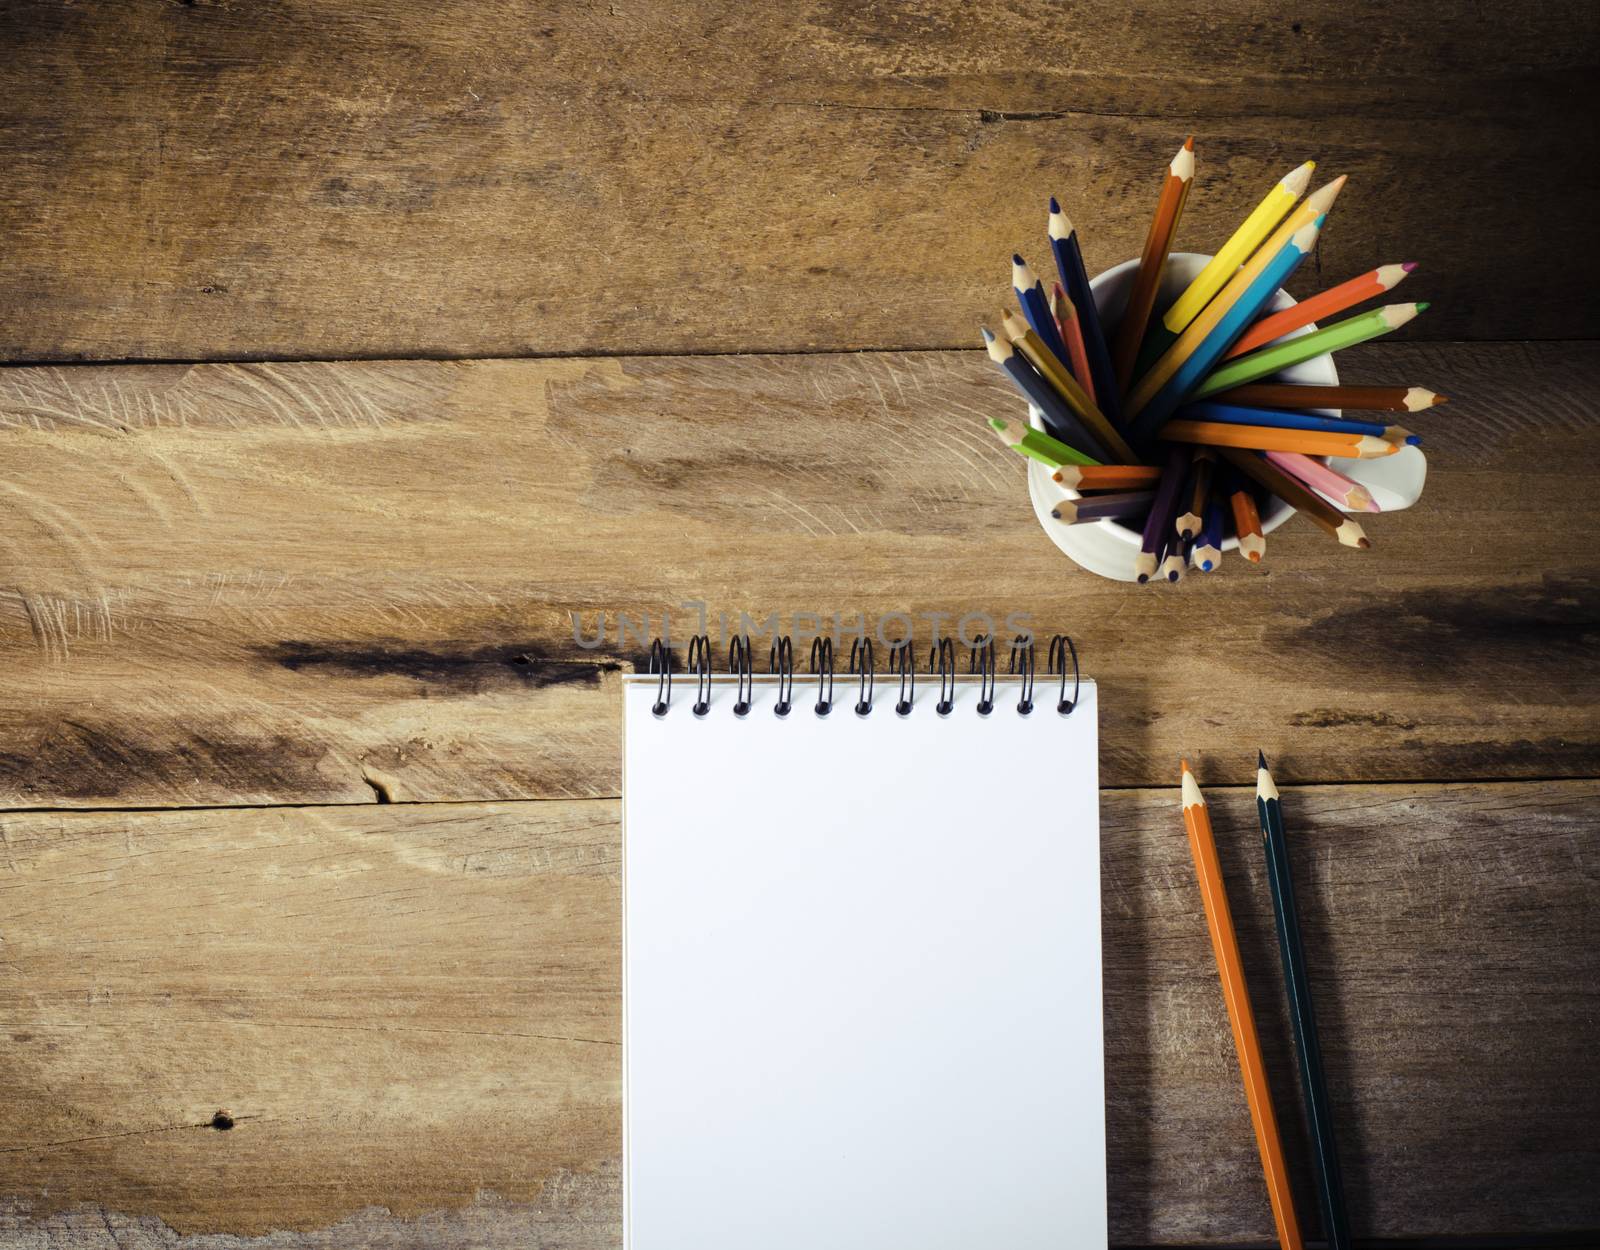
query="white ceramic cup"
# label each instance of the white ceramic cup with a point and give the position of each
(1109, 548)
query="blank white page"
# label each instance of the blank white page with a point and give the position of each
(862, 973)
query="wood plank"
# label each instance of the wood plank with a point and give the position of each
(220, 181)
(411, 1014)
(314, 583)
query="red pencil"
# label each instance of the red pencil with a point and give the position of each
(1323, 304)
(1066, 315)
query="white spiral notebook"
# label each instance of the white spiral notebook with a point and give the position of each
(862, 969)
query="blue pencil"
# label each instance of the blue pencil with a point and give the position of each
(1234, 323)
(1208, 547)
(1075, 282)
(1282, 419)
(1036, 309)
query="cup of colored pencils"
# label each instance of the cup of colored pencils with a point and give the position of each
(1183, 406)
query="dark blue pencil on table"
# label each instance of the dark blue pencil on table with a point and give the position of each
(1282, 419)
(1163, 508)
(1061, 423)
(1035, 306)
(1330, 1183)
(1075, 282)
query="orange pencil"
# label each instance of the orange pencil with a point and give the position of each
(1157, 243)
(1274, 438)
(1071, 331)
(1323, 304)
(1230, 967)
(1107, 476)
(1246, 520)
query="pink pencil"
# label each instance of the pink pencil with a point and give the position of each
(1349, 495)
(1072, 336)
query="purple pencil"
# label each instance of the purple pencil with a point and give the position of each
(1163, 509)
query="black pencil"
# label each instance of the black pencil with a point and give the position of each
(1330, 1185)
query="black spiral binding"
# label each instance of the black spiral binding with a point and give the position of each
(861, 662)
(822, 666)
(1061, 649)
(1021, 665)
(739, 666)
(700, 666)
(982, 664)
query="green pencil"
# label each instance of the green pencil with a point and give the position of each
(1050, 452)
(1330, 1184)
(1340, 334)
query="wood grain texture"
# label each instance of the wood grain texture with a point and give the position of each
(412, 1016)
(326, 582)
(213, 180)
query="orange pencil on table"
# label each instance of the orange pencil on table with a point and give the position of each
(1324, 304)
(1152, 262)
(1071, 331)
(1230, 968)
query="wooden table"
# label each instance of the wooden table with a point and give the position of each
(308, 863)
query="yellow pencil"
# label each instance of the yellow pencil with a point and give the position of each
(1238, 248)
(1196, 332)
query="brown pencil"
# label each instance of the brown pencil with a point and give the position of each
(1357, 398)
(1230, 968)
(1152, 263)
(1108, 476)
(1315, 508)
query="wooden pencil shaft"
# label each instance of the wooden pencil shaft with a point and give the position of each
(1164, 506)
(1271, 438)
(1369, 285)
(1152, 263)
(1312, 506)
(1102, 507)
(1037, 445)
(1284, 419)
(1302, 1017)
(1075, 280)
(1355, 398)
(1247, 1045)
(1063, 423)
(1336, 337)
(1107, 441)
(1072, 334)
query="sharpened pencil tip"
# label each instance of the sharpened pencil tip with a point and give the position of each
(1261, 760)
(988, 334)
(996, 424)
(1186, 767)
(1188, 144)
(1054, 207)
(1017, 260)
(1409, 265)
(1422, 306)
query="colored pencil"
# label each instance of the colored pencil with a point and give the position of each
(1152, 264)
(1208, 547)
(1302, 1013)
(1356, 398)
(1036, 444)
(1197, 331)
(1349, 495)
(1103, 436)
(1227, 328)
(1108, 476)
(1176, 559)
(1062, 425)
(1075, 279)
(1036, 308)
(1336, 299)
(1287, 419)
(1252, 232)
(1268, 438)
(1246, 517)
(1071, 331)
(1341, 334)
(1158, 524)
(1316, 509)
(1235, 995)
(1198, 488)
(1099, 507)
